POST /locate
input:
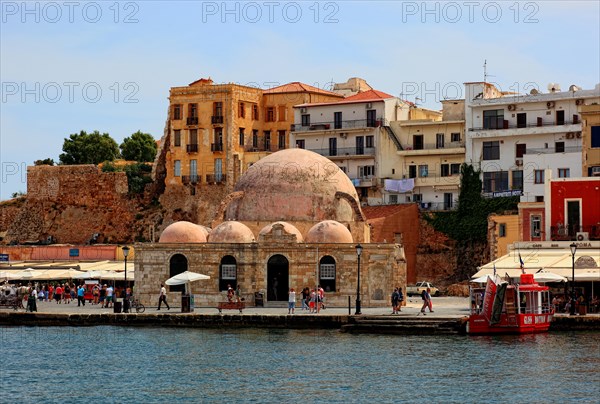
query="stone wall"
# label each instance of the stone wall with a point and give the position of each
(9, 210)
(436, 256)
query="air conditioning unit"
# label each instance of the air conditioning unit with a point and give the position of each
(303, 110)
(550, 104)
(570, 135)
(595, 171)
(578, 135)
(369, 105)
(518, 163)
(579, 101)
(582, 236)
(512, 107)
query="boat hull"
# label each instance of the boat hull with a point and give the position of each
(518, 324)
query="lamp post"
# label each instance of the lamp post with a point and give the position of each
(573, 247)
(358, 253)
(125, 302)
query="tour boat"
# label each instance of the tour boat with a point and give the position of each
(507, 308)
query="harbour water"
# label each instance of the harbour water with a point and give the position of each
(118, 364)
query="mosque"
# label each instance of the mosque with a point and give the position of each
(293, 220)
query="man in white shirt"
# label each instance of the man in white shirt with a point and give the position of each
(109, 296)
(163, 297)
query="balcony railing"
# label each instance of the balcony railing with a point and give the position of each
(339, 125)
(190, 179)
(216, 147)
(261, 148)
(192, 120)
(510, 125)
(436, 206)
(345, 151)
(434, 146)
(192, 148)
(569, 233)
(216, 119)
(215, 178)
(567, 149)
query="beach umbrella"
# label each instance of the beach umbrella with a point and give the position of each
(185, 278)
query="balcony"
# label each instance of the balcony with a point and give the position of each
(540, 123)
(362, 182)
(215, 178)
(552, 150)
(262, 148)
(192, 120)
(433, 148)
(509, 129)
(215, 119)
(216, 147)
(339, 125)
(346, 152)
(569, 233)
(436, 206)
(190, 179)
(191, 148)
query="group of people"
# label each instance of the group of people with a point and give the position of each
(67, 292)
(397, 299)
(312, 300)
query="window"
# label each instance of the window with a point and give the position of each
(300, 143)
(371, 120)
(177, 168)
(393, 199)
(521, 150)
(423, 170)
(445, 170)
(417, 142)
(536, 226)
(333, 146)
(241, 136)
(455, 137)
(495, 181)
(282, 113)
(267, 134)
(448, 201)
(193, 111)
(177, 137)
(539, 198)
(491, 150)
(255, 138)
(493, 119)
(194, 171)
(366, 171)
(270, 114)
(595, 135)
(228, 273)
(522, 120)
(255, 112)
(327, 273)
(281, 139)
(412, 171)
(564, 173)
(455, 169)
(560, 117)
(242, 110)
(439, 141)
(418, 198)
(177, 112)
(360, 145)
(517, 179)
(218, 108)
(369, 141)
(193, 136)
(398, 238)
(343, 169)
(337, 120)
(306, 120)
(538, 176)
(502, 230)
(559, 147)
(218, 136)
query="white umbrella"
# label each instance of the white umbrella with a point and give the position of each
(544, 276)
(481, 279)
(185, 278)
(88, 275)
(27, 273)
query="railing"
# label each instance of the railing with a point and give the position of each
(216, 119)
(190, 179)
(435, 146)
(552, 150)
(215, 147)
(191, 148)
(215, 178)
(568, 233)
(345, 151)
(192, 120)
(367, 181)
(330, 125)
(436, 206)
(509, 125)
(262, 148)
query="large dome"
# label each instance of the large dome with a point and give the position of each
(231, 232)
(329, 231)
(294, 185)
(183, 232)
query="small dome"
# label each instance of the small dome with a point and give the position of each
(231, 232)
(287, 228)
(329, 231)
(183, 232)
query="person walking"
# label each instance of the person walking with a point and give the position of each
(395, 301)
(305, 298)
(426, 297)
(291, 301)
(80, 293)
(109, 296)
(163, 297)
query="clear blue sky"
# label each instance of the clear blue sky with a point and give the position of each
(108, 66)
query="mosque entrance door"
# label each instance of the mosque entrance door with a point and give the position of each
(277, 278)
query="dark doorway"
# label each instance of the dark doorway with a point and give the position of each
(277, 278)
(573, 217)
(521, 120)
(177, 265)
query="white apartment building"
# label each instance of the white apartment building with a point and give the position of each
(354, 134)
(514, 138)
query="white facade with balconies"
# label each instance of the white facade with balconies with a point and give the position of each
(513, 138)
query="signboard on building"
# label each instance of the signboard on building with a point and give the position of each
(503, 194)
(4, 257)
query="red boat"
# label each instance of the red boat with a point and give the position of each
(507, 308)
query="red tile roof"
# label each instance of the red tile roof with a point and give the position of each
(370, 95)
(297, 87)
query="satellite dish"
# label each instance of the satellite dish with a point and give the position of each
(574, 88)
(553, 87)
(534, 92)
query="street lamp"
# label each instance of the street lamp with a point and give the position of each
(573, 247)
(358, 253)
(125, 302)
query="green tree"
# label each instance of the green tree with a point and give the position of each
(45, 162)
(139, 147)
(92, 148)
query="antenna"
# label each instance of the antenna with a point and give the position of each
(417, 99)
(485, 71)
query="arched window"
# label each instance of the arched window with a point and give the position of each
(177, 265)
(227, 272)
(327, 273)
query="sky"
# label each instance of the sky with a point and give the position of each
(67, 66)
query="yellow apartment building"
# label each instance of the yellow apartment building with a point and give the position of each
(590, 115)
(503, 230)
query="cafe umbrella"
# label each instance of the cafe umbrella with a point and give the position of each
(185, 278)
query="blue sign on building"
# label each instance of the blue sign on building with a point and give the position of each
(74, 252)
(4, 258)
